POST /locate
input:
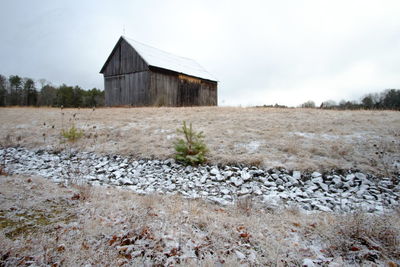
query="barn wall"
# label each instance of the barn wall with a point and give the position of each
(127, 89)
(124, 59)
(208, 94)
(171, 89)
(163, 89)
(128, 80)
(196, 92)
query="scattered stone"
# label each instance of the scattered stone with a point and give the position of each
(315, 175)
(308, 263)
(214, 171)
(275, 187)
(360, 176)
(225, 191)
(296, 175)
(125, 181)
(240, 255)
(236, 181)
(245, 175)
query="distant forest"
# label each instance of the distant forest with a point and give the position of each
(18, 91)
(388, 99)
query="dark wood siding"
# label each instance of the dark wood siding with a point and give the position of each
(163, 89)
(128, 80)
(208, 94)
(124, 59)
(188, 93)
(172, 89)
(196, 92)
(127, 89)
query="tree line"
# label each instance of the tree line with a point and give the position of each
(18, 91)
(388, 99)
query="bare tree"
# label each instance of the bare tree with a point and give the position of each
(308, 104)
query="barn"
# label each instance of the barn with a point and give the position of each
(136, 74)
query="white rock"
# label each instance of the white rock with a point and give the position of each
(171, 187)
(284, 195)
(269, 184)
(252, 256)
(240, 255)
(125, 181)
(225, 191)
(218, 200)
(308, 263)
(257, 190)
(219, 178)
(275, 176)
(315, 174)
(123, 165)
(360, 176)
(349, 177)
(236, 181)
(228, 174)
(214, 171)
(317, 180)
(324, 186)
(323, 208)
(245, 175)
(243, 191)
(296, 175)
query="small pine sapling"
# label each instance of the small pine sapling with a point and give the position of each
(191, 150)
(73, 134)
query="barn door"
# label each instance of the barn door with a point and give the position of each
(188, 93)
(122, 91)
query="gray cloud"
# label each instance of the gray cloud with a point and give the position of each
(263, 52)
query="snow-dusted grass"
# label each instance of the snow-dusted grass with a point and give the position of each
(293, 138)
(45, 223)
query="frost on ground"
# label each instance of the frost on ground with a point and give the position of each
(336, 190)
(42, 223)
(301, 139)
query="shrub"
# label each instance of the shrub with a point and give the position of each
(191, 150)
(308, 104)
(73, 134)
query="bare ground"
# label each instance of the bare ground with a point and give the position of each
(303, 139)
(42, 223)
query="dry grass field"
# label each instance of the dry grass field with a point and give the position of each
(303, 139)
(46, 224)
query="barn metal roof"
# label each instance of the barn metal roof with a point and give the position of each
(158, 58)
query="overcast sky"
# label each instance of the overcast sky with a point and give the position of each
(262, 52)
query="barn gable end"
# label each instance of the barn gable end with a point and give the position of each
(139, 75)
(123, 59)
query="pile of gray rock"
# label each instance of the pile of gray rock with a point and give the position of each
(335, 191)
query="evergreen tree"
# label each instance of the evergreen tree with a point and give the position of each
(16, 88)
(29, 93)
(3, 90)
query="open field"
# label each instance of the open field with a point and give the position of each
(71, 223)
(43, 223)
(303, 139)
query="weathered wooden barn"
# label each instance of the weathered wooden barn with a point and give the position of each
(139, 75)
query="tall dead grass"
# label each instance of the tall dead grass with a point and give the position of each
(112, 225)
(295, 138)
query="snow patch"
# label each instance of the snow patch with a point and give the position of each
(251, 147)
